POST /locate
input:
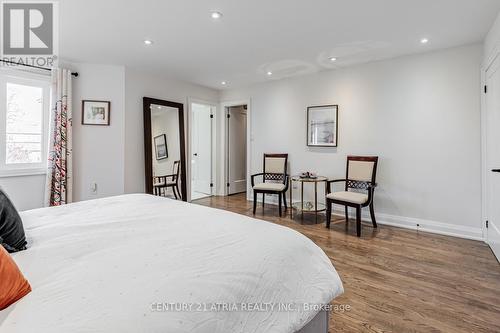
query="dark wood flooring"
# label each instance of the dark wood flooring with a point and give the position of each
(399, 280)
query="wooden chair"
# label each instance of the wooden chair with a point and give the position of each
(360, 175)
(163, 182)
(275, 179)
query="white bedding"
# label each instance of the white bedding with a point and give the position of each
(101, 265)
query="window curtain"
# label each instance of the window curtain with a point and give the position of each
(59, 174)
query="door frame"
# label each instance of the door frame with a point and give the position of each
(485, 172)
(215, 127)
(224, 105)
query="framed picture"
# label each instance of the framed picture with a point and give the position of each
(322, 125)
(161, 147)
(95, 112)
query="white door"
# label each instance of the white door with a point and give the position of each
(493, 155)
(237, 149)
(201, 150)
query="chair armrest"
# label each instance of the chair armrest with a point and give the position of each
(255, 175)
(328, 182)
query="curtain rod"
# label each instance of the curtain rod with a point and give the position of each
(75, 74)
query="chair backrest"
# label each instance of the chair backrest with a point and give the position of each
(176, 171)
(361, 169)
(275, 166)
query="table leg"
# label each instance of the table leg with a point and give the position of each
(302, 198)
(316, 200)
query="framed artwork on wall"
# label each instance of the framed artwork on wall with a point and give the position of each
(161, 146)
(96, 112)
(322, 126)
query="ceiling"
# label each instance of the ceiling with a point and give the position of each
(286, 37)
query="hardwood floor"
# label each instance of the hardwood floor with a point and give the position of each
(399, 280)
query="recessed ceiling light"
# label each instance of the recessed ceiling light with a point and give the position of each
(269, 73)
(148, 42)
(158, 107)
(424, 40)
(223, 83)
(332, 59)
(216, 15)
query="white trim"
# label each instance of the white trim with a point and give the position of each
(435, 227)
(23, 172)
(215, 128)
(417, 224)
(495, 246)
(412, 223)
(484, 162)
(32, 80)
(224, 106)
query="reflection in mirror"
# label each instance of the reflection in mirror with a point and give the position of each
(166, 154)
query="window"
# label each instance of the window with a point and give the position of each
(24, 113)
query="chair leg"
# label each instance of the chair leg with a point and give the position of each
(254, 202)
(358, 221)
(263, 201)
(178, 192)
(372, 214)
(175, 193)
(328, 213)
(346, 214)
(284, 200)
(279, 203)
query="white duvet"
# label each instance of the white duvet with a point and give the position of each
(139, 263)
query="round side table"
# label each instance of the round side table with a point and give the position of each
(307, 206)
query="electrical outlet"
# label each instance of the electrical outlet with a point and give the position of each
(93, 188)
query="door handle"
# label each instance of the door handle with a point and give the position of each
(495, 170)
(195, 154)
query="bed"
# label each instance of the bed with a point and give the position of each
(140, 263)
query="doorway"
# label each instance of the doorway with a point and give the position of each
(236, 149)
(202, 150)
(492, 172)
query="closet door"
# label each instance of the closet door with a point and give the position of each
(493, 155)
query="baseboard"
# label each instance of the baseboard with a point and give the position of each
(417, 224)
(412, 223)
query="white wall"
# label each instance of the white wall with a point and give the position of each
(26, 192)
(420, 114)
(98, 151)
(492, 42)
(137, 86)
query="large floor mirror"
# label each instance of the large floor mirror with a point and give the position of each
(164, 147)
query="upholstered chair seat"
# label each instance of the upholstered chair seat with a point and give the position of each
(270, 186)
(274, 179)
(353, 197)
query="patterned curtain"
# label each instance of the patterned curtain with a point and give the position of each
(59, 174)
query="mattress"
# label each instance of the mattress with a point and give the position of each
(140, 263)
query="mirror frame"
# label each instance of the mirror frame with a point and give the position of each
(148, 142)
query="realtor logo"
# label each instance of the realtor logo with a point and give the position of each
(28, 28)
(29, 33)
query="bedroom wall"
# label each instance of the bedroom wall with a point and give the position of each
(492, 41)
(26, 192)
(98, 151)
(138, 85)
(420, 114)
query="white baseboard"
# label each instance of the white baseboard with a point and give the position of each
(417, 224)
(412, 223)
